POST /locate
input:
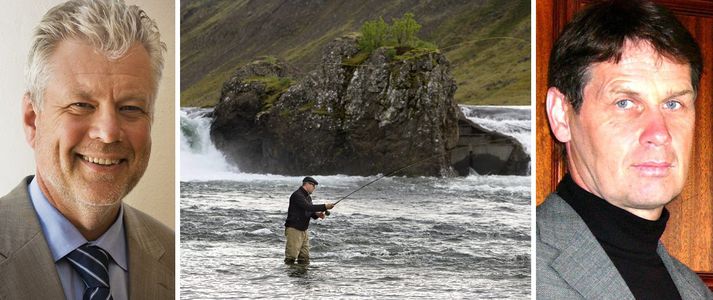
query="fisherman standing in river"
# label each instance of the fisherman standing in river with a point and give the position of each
(298, 216)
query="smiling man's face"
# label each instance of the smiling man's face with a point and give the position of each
(631, 140)
(92, 135)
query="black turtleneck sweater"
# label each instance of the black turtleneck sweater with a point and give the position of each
(629, 241)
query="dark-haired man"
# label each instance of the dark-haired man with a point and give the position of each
(299, 213)
(622, 87)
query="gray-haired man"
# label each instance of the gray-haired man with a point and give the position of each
(92, 76)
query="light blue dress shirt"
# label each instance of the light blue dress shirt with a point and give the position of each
(62, 238)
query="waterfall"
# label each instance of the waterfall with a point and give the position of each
(513, 121)
(200, 160)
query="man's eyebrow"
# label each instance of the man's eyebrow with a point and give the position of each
(625, 91)
(133, 97)
(669, 94)
(81, 94)
(673, 94)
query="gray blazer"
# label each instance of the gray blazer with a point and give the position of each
(572, 265)
(27, 270)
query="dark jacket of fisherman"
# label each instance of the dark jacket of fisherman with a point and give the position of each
(301, 209)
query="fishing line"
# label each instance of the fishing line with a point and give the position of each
(409, 166)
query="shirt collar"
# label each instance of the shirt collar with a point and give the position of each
(62, 237)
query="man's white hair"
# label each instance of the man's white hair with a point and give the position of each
(110, 26)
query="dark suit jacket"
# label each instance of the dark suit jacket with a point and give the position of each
(27, 270)
(572, 265)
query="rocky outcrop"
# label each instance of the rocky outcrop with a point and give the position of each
(238, 129)
(486, 152)
(357, 113)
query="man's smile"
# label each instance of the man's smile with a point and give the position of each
(101, 161)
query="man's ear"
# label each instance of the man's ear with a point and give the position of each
(557, 108)
(29, 116)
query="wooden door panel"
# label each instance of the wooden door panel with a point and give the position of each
(689, 233)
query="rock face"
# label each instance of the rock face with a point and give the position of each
(357, 114)
(487, 152)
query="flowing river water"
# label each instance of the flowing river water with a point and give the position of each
(424, 237)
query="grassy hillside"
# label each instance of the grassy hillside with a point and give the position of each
(487, 41)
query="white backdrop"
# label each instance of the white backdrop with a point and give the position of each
(155, 193)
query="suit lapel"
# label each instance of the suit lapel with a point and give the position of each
(686, 288)
(582, 262)
(26, 265)
(588, 269)
(148, 278)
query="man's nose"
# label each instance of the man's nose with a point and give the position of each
(106, 126)
(656, 132)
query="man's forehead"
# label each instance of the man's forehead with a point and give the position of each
(639, 61)
(76, 53)
(643, 51)
(81, 67)
(639, 52)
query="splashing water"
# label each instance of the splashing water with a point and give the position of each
(200, 160)
(420, 237)
(509, 120)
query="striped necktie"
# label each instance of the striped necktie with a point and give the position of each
(92, 263)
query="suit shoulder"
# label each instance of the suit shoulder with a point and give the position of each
(549, 209)
(18, 221)
(685, 274)
(161, 232)
(548, 215)
(549, 283)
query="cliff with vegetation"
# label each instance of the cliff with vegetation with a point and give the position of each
(487, 42)
(361, 112)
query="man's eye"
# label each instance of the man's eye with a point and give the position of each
(625, 104)
(672, 105)
(131, 109)
(82, 105)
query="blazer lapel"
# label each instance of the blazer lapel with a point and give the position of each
(582, 262)
(26, 265)
(148, 278)
(686, 288)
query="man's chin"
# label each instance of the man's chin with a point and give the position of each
(99, 201)
(100, 195)
(652, 201)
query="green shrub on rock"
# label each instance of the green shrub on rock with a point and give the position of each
(400, 34)
(374, 34)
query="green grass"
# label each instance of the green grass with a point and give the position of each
(206, 92)
(490, 54)
(487, 43)
(274, 86)
(217, 11)
(416, 53)
(356, 59)
(300, 52)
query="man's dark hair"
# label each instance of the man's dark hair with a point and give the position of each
(598, 34)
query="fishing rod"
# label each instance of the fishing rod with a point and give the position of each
(384, 175)
(401, 169)
(390, 173)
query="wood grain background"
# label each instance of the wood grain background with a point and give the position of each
(689, 233)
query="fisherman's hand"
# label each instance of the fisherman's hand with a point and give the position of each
(320, 215)
(329, 205)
